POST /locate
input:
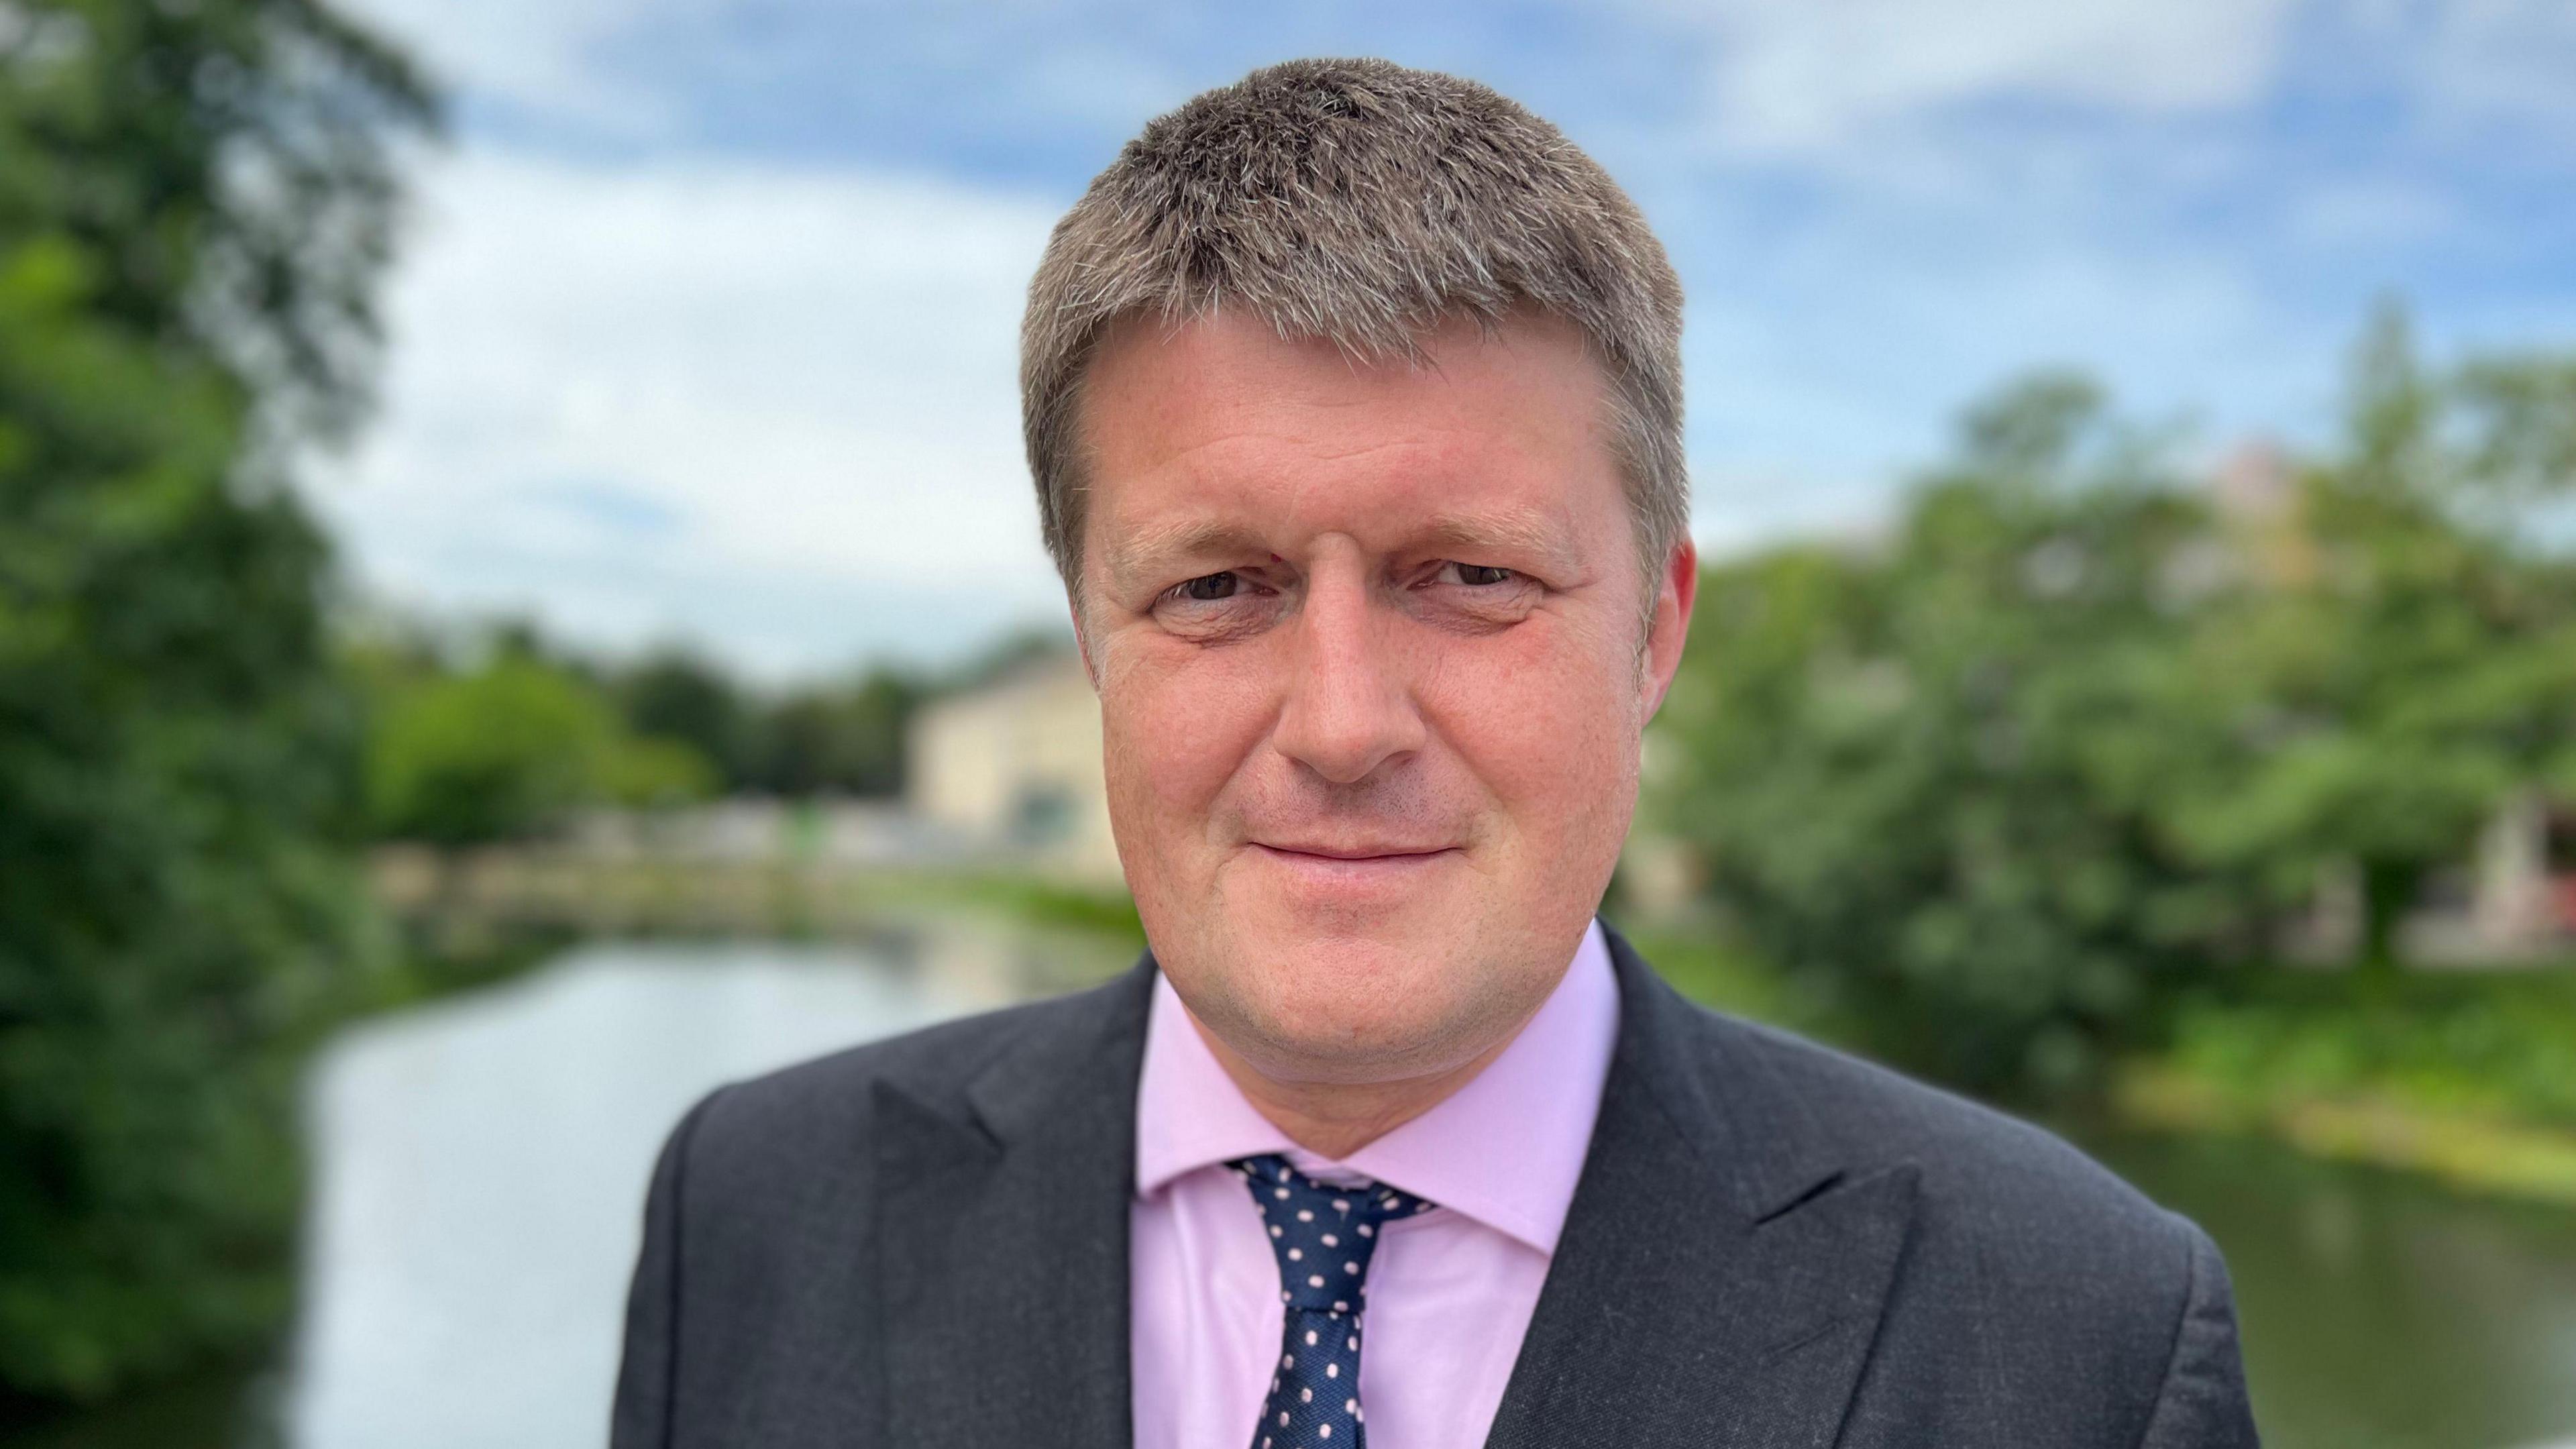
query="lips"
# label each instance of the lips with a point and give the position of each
(1325, 851)
(1345, 875)
(1348, 870)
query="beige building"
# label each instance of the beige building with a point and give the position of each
(1014, 767)
(2515, 899)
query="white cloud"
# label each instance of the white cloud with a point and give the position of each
(1790, 76)
(1796, 76)
(538, 54)
(1786, 77)
(2503, 60)
(643, 400)
(1812, 79)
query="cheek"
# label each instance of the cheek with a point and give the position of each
(1548, 725)
(1175, 731)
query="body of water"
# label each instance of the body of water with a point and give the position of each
(2380, 1310)
(480, 1165)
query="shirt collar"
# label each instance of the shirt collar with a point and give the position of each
(1505, 1149)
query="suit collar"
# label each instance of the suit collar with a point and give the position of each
(1079, 1072)
(1752, 1133)
(1719, 1279)
(1723, 1266)
(1002, 1234)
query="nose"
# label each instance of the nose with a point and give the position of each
(1349, 707)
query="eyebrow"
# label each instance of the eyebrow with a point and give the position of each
(1513, 532)
(1154, 551)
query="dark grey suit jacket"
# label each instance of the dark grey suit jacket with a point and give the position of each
(923, 1242)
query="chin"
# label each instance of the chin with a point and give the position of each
(1342, 1000)
(1326, 975)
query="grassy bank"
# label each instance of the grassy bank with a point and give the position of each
(1046, 904)
(2469, 1077)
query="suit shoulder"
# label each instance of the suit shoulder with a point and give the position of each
(829, 1096)
(2030, 1272)
(1995, 1179)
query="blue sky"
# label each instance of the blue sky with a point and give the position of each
(706, 329)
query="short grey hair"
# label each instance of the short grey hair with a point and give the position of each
(1361, 203)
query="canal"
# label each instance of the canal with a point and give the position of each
(479, 1162)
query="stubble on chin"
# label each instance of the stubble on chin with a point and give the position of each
(1270, 1004)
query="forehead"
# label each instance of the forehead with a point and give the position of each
(1221, 422)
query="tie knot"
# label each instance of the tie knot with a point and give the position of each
(1322, 1235)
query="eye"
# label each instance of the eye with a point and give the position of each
(1207, 588)
(1478, 598)
(1214, 608)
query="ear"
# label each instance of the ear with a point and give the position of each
(1669, 627)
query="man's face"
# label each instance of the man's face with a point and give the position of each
(1368, 643)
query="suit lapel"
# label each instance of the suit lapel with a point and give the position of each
(1718, 1282)
(1720, 1276)
(1002, 1235)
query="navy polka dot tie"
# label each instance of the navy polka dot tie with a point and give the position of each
(1323, 1237)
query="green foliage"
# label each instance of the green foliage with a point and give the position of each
(847, 738)
(2467, 1076)
(642, 773)
(1718, 974)
(677, 696)
(192, 200)
(2402, 660)
(1919, 777)
(2502, 1047)
(508, 749)
(2072, 739)
(505, 748)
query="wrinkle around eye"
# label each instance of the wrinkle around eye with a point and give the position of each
(1244, 610)
(1446, 597)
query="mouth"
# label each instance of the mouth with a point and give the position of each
(1344, 876)
(1356, 854)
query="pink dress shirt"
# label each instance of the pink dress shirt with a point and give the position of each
(1450, 1292)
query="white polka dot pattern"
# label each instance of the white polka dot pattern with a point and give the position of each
(1324, 1237)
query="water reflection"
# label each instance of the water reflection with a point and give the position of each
(480, 1165)
(2380, 1311)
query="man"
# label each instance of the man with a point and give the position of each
(1353, 399)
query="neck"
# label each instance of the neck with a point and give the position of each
(1336, 1119)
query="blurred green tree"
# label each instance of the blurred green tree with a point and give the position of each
(846, 739)
(508, 749)
(1920, 771)
(2078, 731)
(674, 694)
(194, 201)
(2401, 656)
